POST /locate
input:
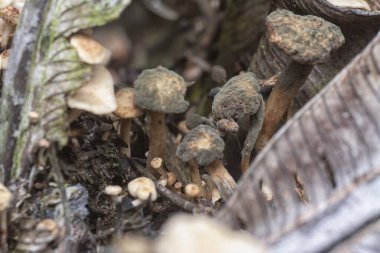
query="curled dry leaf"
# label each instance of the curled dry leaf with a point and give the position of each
(330, 153)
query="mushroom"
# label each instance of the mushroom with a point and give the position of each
(218, 74)
(89, 50)
(113, 191)
(203, 146)
(5, 200)
(352, 4)
(192, 190)
(10, 15)
(240, 98)
(308, 40)
(194, 119)
(142, 188)
(5, 3)
(160, 91)
(96, 95)
(202, 234)
(4, 58)
(126, 110)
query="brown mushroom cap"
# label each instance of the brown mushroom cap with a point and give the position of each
(306, 39)
(160, 90)
(96, 95)
(238, 98)
(10, 14)
(126, 107)
(202, 144)
(89, 50)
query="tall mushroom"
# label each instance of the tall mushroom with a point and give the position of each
(96, 95)
(240, 98)
(126, 110)
(11, 16)
(203, 146)
(307, 40)
(160, 91)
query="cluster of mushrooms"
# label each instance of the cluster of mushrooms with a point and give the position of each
(238, 107)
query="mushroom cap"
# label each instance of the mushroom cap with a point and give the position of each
(5, 197)
(238, 98)
(10, 14)
(89, 50)
(126, 107)
(306, 39)
(5, 3)
(201, 234)
(113, 190)
(96, 95)
(192, 190)
(160, 90)
(142, 188)
(202, 144)
(352, 4)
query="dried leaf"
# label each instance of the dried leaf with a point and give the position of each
(322, 168)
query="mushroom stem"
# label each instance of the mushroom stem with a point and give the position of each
(256, 124)
(194, 174)
(6, 34)
(287, 86)
(222, 178)
(74, 114)
(3, 231)
(125, 129)
(157, 138)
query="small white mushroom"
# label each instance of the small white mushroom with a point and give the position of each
(19, 4)
(142, 188)
(114, 191)
(96, 95)
(89, 50)
(189, 234)
(5, 3)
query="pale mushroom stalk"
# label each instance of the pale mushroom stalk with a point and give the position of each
(125, 130)
(194, 173)
(256, 123)
(221, 178)
(307, 40)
